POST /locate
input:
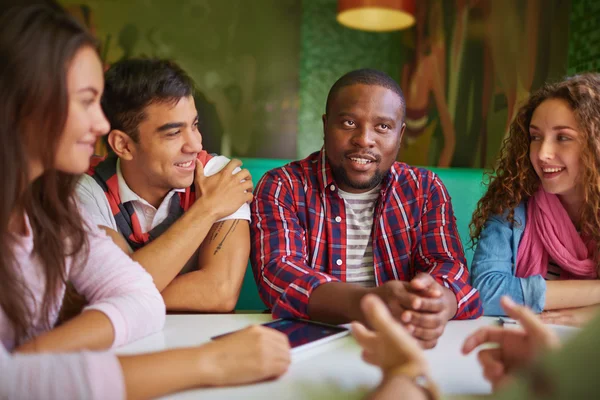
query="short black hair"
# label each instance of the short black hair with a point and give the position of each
(133, 84)
(5, 5)
(365, 76)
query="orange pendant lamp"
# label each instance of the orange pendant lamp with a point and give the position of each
(376, 15)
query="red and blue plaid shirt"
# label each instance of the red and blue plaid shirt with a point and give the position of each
(299, 235)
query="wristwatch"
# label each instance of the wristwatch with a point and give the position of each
(428, 386)
(419, 377)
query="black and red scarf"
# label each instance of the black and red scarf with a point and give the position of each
(104, 172)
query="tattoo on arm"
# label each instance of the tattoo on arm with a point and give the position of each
(216, 232)
(231, 229)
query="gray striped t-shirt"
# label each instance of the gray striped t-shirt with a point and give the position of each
(359, 233)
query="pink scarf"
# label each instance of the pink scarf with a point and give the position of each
(550, 234)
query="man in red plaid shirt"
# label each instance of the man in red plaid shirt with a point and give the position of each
(350, 220)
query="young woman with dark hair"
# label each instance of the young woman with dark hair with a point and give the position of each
(51, 81)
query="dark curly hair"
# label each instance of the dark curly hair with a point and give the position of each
(514, 179)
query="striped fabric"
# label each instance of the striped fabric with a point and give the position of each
(104, 172)
(359, 224)
(299, 228)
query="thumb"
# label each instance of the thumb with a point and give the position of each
(361, 333)
(425, 282)
(381, 320)
(530, 323)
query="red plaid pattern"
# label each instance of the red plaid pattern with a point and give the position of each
(298, 234)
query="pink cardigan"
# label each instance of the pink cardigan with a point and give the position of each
(115, 285)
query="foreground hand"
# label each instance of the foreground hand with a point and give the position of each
(224, 192)
(254, 354)
(570, 316)
(518, 347)
(421, 305)
(388, 345)
(428, 326)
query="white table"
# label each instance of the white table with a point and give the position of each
(333, 370)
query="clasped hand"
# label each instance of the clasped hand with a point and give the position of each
(422, 305)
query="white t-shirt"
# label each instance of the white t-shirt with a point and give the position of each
(93, 200)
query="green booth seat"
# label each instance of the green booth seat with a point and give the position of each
(464, 185)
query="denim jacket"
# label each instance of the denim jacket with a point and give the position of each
(494, 262)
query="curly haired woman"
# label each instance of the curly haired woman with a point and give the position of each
(537, 229)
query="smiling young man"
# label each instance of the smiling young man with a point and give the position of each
(178, 211)
(350, 220)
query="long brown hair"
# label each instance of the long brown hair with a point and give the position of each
(514, 179)
(37, 45)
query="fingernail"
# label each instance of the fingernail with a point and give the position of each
(417, 304)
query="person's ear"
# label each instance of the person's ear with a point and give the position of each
(122, 144)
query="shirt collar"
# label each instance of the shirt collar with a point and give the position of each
(126, 194)
(325, 177)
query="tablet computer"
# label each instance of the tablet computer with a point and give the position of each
(304, 334)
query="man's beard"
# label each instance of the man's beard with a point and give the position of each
(339, 173)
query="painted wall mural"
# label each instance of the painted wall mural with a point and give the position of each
(464, 67)
(584, 36)
(472, 63)
(263, 67)
(243, 56)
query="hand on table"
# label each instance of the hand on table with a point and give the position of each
(570, 316)
(517, 347)
(254, 354)
(422, 305)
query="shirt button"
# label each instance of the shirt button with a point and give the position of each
(338, 219)
(339, 262)
(332, 188)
